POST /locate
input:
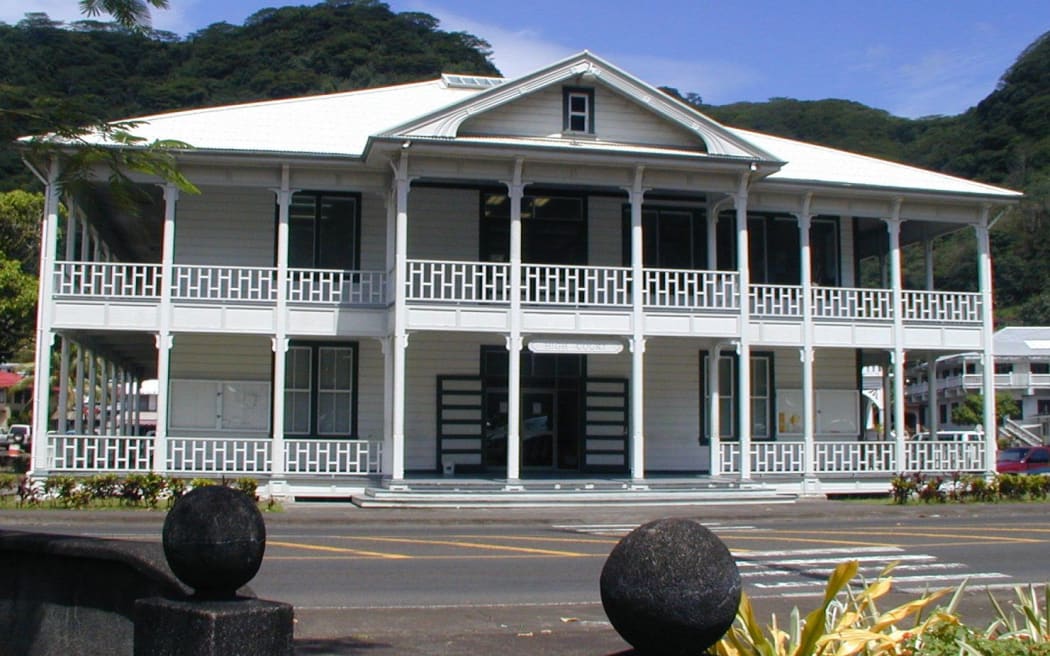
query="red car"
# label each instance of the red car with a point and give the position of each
(1023, 459)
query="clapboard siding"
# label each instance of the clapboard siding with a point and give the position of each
(221, 357)
(228, 226)
(370, 390)
(431, 355)
(443, 224)
(616, 118)
(672, 412)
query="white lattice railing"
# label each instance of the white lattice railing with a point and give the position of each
(224, 283)
(332, 457)
(692, 290)
(546, 284)
(852, 303)
(97, 453)
(942, 307)
(941, 456)
(193, 455)
(337, 287)
(107, 279)
(465, 282)
(854, 457)
(776, 300)
(777, 457)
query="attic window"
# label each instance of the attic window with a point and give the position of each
(578, 110)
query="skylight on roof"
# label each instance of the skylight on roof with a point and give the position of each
(470, 81)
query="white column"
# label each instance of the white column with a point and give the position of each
(78, 417)
(712, 234)
(743, 265)
(984, 275)
(714, 420)
(933, 418)
(280, 337)
(893, 227)
(516, 191)
(806, 353)
(164, 338)
(44, 335)
(387, 343)
(400, 345)
(637, 446)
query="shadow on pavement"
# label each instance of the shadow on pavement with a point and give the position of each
(337, 646)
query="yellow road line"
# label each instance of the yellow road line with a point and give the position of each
(463, 556)
(475, 545)
(319, 547)
(539, 539)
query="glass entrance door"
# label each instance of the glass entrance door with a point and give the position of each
(538, 439)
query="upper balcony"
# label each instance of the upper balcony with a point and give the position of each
(476, 296)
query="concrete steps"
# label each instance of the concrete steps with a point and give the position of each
(481, 493)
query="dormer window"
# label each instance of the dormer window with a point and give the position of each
(578, 114)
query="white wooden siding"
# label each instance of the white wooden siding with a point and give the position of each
(431, 355)
(370, 390)
(672, 406)
(221, 357)
(616, 119)
(226, 225)
(443, 224)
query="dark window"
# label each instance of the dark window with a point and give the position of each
(578, 110)
(1042, 407)
(324, 231)
(1040, 367)
(554, 229)
(1004, 367)
(320, 389)
(672, 237)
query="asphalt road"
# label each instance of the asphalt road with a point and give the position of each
(526, 581)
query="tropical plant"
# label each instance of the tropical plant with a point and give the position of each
(852, 627)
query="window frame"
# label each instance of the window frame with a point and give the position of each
(315, 353)
(770, 397)
(568, 93)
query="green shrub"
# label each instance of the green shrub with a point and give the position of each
(8, 483)
(153, 486)
(1012, 486)
(904, 486)
(131, 489)
(103, 486)
(201, 482)
(61, 487)
(980, 489)
(933, 490)
(176, 488)
(249, 486)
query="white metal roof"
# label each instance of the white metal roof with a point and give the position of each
(332, 124)
(806, 162)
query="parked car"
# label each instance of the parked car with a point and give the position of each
(1023, 459)
(20, 434)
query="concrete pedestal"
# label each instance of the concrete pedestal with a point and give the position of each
(251, 627)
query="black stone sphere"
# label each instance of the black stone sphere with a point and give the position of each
(671, 587)
(214, 539)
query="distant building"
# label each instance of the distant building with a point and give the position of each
(1022, 370)
(11, 401)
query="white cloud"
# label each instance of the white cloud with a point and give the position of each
(941, 82)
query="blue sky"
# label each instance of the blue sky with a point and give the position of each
(912, 58)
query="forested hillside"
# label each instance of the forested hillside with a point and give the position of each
(54, 74)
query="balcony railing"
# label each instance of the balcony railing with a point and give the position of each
(439, 281)
(222, 283)
(853, 457)
(332, 457)
(99, 453)
(329, 287)
(107, 280)
(551, 284)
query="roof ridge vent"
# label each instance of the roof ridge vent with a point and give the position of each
(457, 81)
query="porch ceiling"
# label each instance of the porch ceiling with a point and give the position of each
(136, 352)
(132, 232)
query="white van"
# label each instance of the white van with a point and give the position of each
(20, 434)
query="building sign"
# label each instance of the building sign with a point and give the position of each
(575, 346)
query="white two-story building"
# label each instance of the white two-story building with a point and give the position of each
(565, 275)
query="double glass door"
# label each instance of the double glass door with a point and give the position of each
(549, 429)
